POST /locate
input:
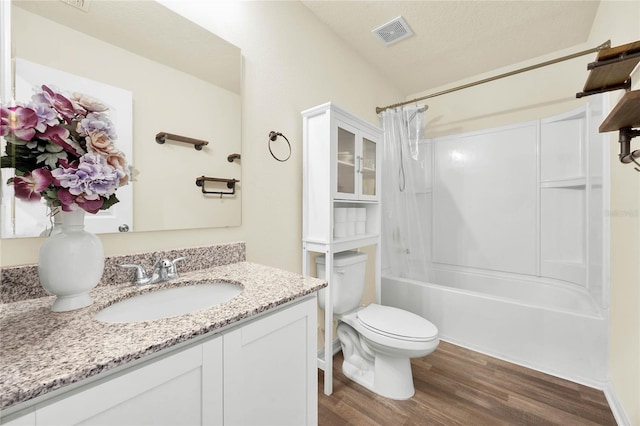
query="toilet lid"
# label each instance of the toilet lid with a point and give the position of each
(396, 323)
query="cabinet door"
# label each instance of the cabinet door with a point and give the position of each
(368, 172)
(168, 391)
(347, 156)
(270, 366)
(357, 174)
(28, 419)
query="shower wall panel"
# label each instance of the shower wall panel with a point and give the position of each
(485, 187)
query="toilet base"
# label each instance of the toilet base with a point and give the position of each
(377, 361)
(391, 377)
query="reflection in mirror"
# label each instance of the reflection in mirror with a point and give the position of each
(181, 79)
(29, 217)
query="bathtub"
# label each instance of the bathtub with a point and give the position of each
(552, 328)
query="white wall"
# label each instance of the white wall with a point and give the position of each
(291, 62)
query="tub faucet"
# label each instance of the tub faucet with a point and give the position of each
(163, 270)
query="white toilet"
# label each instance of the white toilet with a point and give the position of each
(377, 341)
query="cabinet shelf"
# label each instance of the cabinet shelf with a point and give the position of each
(624, 114)
(347, 201)
(612, 69)
(343, 244)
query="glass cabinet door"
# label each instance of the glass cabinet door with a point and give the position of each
(368, 167)
(346, 168)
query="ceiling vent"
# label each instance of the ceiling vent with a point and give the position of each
(78, 4)
(393, 31)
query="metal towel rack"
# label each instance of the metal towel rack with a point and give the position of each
(231, 184)
(197, 143)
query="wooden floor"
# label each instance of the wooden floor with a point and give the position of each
(457, 386)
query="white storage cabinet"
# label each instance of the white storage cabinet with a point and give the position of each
(341, 185)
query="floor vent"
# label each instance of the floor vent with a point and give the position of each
(393, 31)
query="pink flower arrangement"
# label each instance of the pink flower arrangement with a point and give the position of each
(62, 149)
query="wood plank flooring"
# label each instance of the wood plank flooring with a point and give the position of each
(457, 386)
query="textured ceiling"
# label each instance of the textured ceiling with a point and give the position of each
(456, 39)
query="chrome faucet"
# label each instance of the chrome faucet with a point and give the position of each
(163, 270)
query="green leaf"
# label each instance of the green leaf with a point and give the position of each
(110, 202)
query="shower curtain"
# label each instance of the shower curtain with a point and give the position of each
(406, 194)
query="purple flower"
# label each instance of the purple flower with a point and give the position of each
(4, 121)
(31, 185)
(58, 102)
(90, 179)
(20, 121)
(67, 154)
(71, 202)
(47, 116)
(59, 136)
(96, 122)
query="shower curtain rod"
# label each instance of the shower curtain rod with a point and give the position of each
(605, 45)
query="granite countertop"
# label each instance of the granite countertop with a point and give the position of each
(42, 351)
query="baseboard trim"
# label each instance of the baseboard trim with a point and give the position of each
(616, 406)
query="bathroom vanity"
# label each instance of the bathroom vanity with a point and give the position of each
(251, 360)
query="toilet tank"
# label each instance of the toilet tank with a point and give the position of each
(347, 280)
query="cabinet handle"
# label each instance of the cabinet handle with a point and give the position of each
(359, 168)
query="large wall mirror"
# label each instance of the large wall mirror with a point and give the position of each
(158, 72)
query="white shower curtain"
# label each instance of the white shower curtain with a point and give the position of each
(406, 196)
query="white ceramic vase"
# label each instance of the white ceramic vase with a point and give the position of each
(71, 263)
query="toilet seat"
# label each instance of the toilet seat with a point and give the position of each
(396, 323)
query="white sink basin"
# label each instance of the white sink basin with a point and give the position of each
(169, 302)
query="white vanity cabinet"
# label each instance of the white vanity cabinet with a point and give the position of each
(182, 388)
(262, 371)
(270, 375)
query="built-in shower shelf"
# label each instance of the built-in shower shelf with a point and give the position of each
(568, 183)
(612, 69)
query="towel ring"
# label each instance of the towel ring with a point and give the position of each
(272, 137)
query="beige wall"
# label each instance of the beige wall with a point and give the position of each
(621, 23)
(291, 62)
(545, 92)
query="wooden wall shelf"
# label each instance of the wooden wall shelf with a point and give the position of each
(612, 69)
(625, 114)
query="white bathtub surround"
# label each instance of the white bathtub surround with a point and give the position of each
(562, 333)
(501, 240)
